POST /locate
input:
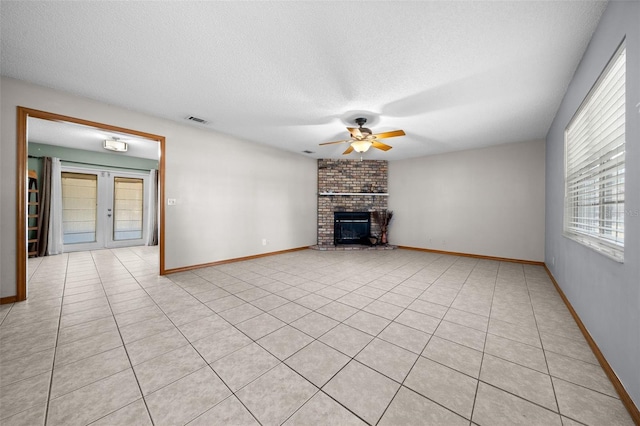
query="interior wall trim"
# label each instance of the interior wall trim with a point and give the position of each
(8, 299)
(237, 259)
(22, 115)
(476, 256)
(615, 381)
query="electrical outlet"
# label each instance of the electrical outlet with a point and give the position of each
(171, 201)
(264, 241)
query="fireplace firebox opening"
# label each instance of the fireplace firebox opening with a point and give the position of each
(351, 228)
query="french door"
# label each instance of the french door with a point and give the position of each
(103, 209)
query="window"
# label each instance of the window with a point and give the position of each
(594, 168)
(127, 208)
(79, 207)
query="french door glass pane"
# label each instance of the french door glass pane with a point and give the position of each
(79, 207)
(127, 208)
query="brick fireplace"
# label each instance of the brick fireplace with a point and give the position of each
(349, 186)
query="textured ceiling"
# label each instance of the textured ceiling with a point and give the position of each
(453, 74)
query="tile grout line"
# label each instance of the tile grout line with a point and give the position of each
(520, 397)
(188, 341)
(544, 352)
(420, 354)
(441, 319)
(484, 346)
(187, 290)
(254, 341)
(55, 351)
(374, 337)
(122, 340)
(207, 365)
(417, 358)
(282, 361)
(448, 308)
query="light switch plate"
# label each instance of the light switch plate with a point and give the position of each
(171, 201)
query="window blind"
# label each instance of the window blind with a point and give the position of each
(79, 207)
(595, 164)
(127, 208)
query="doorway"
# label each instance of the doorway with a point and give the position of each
(122, 227)
(104, 209)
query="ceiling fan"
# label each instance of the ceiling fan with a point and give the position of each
(362, 138)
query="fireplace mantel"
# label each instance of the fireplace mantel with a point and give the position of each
(374, 194)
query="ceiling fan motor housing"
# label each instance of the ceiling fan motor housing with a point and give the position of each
(360, 122)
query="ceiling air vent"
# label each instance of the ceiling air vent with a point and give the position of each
(197, 120)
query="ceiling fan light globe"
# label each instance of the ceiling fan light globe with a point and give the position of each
(361, 145)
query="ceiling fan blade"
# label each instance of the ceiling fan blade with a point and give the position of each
(380, 145)
(331, 143)
(348, 151)
(390, 134)
(355, 132)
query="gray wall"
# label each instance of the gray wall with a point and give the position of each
(604, 293)
(487, 201)
(231, 194)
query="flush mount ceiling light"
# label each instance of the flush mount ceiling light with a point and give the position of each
(115, 144)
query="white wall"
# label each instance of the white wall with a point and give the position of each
(486, 201)
(604, 293)
(230, 193)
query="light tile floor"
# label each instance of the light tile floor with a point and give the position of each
(379, 337)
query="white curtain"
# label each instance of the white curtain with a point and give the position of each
(55, 245)
(152, 216)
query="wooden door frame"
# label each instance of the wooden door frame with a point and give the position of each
(21, 205)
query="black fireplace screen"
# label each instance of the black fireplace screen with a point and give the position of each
(351, 227)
